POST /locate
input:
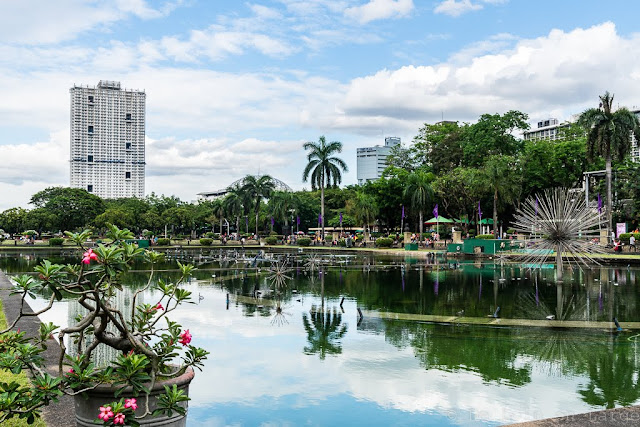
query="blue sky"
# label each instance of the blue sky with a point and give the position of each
(236, 87)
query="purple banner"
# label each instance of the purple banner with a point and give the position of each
(435, 211)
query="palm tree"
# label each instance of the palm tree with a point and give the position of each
(322, 168)
(282, 204)
(234, 204)
(419, 190)
(325, 331)
(609, 134)
(256, 188)
(364, 208)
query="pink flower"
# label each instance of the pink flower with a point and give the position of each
(119, 419)
(88, 256)
(159, 307)
(105, 413)
(131, 403)
(185, 338)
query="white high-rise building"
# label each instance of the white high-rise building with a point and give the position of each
(108, 140)
(372, 161)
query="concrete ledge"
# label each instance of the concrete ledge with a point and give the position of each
(619, 417)
(58, 414)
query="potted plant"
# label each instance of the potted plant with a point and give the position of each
(146, 384)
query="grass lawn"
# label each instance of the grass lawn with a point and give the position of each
(6, 377)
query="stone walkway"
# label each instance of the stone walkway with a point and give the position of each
(62, 413)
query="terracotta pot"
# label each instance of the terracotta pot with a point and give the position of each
(87, 408)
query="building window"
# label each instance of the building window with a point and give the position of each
(90, 99)
(127, 145)
(90, 188)
(90, 129)
(89, 158)
(128, 116)
(127, 175)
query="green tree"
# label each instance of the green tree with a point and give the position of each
(13, 220)
(234, 204)
(255, 189)
(419, 191)
(504, 180)
(439, 146)
(38, 219)
(119, 217)
(323, 168)
(459, 191)
(493, 135)
(283, 205)
(71, 208)
(364, 209)
(609, 134)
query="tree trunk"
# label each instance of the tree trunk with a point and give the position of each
(609, 196)
(322, 206)
(495, 213)
(421, 228)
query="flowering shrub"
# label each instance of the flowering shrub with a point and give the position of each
(149, 350)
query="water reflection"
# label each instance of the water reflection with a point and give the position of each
(408, 372)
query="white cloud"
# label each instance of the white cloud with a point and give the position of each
(379, 9)
(456, 8)
(563, 71)
(209, 127)
(35, 22)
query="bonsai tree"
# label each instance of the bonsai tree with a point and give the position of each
(150, 347)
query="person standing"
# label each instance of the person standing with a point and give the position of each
(632, 242)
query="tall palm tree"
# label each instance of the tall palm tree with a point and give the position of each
(609, 134)
(234, 204)
(256, 188)
(419, 190)
(323, 168)
(281, 205)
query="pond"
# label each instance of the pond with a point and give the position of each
(316, 361)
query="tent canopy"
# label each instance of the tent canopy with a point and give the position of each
(439, 220)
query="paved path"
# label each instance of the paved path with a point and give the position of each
(62, 413)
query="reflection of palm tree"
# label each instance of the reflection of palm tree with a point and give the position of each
(613, 378)
(324, 331)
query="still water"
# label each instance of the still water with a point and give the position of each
(301, 359)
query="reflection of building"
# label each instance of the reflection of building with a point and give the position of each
(372, 161)
(108, 140)
(103, 354)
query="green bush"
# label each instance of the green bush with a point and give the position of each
(342, 243)
(304, 241)
(271, 240)
(163, 241)
(384, 242)
(206, 242)
(30, 233)
(273, 233)
(624, 237)
(56, 241)
(485, 236)
(511, 230)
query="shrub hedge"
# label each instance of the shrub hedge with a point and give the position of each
(163, 241)
(485, 236)
(271, 240)
(56, 241)
(304, 241)
(384, 242)
(624, 237)
(206, 242)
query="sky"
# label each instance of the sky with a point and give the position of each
(236, 87)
